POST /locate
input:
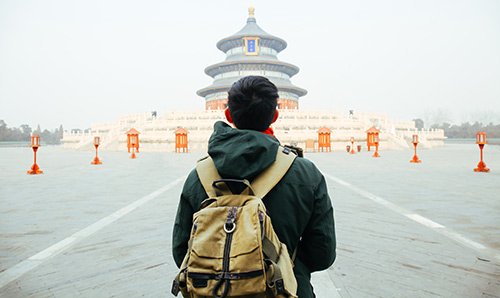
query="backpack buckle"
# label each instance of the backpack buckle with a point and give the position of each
(279, 287)
(175, 288)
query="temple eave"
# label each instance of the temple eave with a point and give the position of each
(299, 91)
(275, 42)
(205, 91)
(224, 88)
(219, 68)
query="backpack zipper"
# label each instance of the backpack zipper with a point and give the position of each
(229, 227)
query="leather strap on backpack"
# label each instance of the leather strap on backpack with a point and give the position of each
(265, 181)
(207, 172)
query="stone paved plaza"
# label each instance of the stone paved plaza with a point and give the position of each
(404, 230)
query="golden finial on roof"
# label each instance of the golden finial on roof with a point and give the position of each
(251, 10)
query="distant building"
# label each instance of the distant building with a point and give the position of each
(251, 51)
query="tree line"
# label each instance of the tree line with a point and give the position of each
(24, 132)
(468, 131)
(465, 130)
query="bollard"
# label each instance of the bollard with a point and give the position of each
(35, 143)
(481, 141)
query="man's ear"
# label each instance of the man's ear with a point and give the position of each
(228, 116)
(276, 115)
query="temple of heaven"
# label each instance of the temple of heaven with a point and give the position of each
(251, 51)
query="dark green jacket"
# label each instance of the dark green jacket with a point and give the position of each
(299, 205)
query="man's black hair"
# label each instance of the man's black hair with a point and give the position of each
(252, 103)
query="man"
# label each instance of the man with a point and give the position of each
(299, 205)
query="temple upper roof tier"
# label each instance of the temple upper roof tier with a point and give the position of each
(237, 41)
(251, 29)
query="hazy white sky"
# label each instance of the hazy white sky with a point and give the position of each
(79, 62)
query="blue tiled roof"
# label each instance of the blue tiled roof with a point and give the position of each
(226, 83)
(251, 29)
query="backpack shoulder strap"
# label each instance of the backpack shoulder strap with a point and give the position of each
(207, 172)
(266, 180)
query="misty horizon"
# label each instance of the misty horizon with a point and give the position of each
(75, 64)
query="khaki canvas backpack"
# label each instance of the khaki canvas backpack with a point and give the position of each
(233, 249)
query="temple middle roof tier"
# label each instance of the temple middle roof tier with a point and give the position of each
(257, 64)
(223, 85)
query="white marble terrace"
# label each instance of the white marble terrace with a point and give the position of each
(292, 126)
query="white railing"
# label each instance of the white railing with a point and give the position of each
(157, 132)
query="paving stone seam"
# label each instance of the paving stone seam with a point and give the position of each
(490, 252)
(36, 260)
